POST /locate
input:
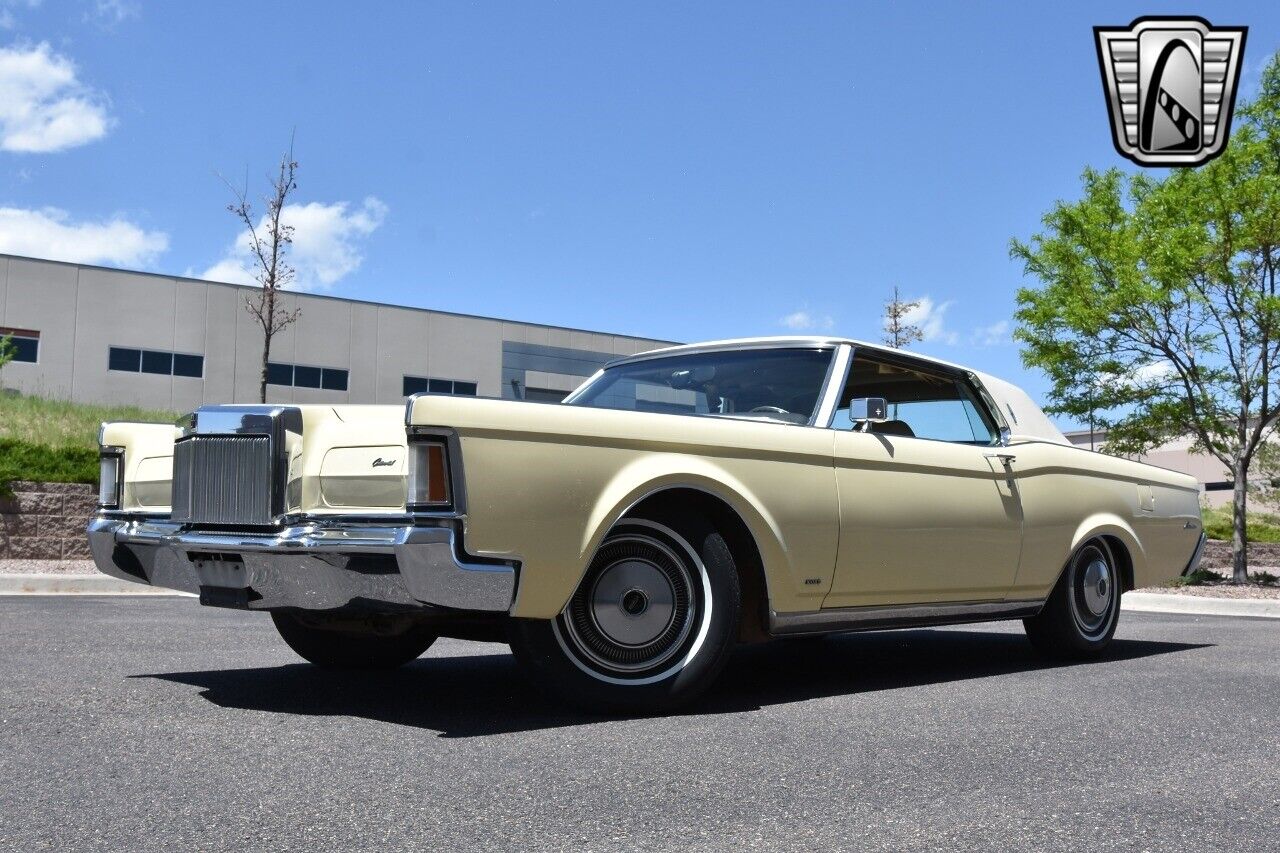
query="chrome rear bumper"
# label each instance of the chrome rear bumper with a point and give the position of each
(1194, 562)
(309, 566)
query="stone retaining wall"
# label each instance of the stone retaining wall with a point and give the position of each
(46, 521)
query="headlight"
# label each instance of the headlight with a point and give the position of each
(427, 477)
(110, 477)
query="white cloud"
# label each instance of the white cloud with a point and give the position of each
(805, 320)
(50, 233)
(929, 317)
(990, 336)
(43, 107)
(7, 19)
(326, 244)
(109, 13)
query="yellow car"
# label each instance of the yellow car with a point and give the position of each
(679, 502)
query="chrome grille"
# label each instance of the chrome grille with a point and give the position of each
(221, 479)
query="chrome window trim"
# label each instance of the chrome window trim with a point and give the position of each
(805, 344)
(837, 376)
(731, 346)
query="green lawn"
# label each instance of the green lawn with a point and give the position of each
(59, 424)
(1263, 527)
(54, 441)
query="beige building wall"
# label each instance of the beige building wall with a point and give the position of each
(80, 311)
(1215, 480)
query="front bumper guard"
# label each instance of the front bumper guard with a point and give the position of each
(308, 566)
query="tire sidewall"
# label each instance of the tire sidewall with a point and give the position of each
(537, 646)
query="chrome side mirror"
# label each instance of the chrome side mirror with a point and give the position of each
(868, 409)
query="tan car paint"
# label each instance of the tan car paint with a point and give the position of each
(545, 483)
(147, 447)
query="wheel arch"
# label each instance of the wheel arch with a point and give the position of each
(750, 531)
(753, 582)
(1119, 537)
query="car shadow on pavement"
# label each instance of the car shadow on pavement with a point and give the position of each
(463, 695)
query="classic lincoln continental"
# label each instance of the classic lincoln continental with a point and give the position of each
(677, 503)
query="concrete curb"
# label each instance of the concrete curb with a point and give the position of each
(1158, 602)
(50, 584)
(1138, 602)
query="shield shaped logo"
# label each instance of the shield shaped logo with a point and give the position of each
(1171, 88)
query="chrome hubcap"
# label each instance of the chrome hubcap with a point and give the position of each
(1094, 592)
(636, 607)
(1097, 587)
(633, 602)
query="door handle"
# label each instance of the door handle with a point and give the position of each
(1006, 458)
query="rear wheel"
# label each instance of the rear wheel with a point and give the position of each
(1081, 614)
(650, 625)
(345, 643)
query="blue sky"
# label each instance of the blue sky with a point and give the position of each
(680, 171)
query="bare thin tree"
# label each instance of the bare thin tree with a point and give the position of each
(899, 333)
(269, 241)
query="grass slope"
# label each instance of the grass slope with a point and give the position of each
(62, 424)
(55, 441)
(1262, 526)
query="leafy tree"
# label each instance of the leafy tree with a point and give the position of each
(7, 350)
(269, 241)
(1158, 304)
(898, 331)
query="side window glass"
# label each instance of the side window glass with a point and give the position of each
(921, 404)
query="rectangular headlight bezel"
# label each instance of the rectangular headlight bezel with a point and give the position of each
(110, 477)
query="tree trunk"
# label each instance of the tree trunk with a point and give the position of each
(1239, 542)
(266, 355)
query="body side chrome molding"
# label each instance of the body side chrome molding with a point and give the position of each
(898, 616)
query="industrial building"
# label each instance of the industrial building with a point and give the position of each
(102, 335)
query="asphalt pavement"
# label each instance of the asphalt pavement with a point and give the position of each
(155, 724)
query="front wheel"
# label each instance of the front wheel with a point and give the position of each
(1083, 610)
(345, 643)
(650, 625)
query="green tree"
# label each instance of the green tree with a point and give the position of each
(1158, 305)
(7, 350)
(899, 332)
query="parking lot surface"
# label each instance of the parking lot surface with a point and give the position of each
(131, 723)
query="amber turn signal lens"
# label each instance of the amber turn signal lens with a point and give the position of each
(428, 475)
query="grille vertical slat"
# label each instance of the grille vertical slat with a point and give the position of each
(220, 479)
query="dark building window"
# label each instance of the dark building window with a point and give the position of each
(157, 362)
(161, 363)
(421, 384)
(188, 365)
(119, 358)
(25, 344)
(279, 374)
(305, 376)
(332, 379)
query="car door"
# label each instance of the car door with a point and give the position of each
(928, 509)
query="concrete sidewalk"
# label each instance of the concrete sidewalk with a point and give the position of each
(32, 583)
(1159, 602)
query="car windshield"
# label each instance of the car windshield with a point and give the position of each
(773, 384)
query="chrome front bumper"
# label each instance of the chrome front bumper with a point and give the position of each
(320, 566)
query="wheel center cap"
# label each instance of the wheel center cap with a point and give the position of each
(1097, 587)
(634, 602)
